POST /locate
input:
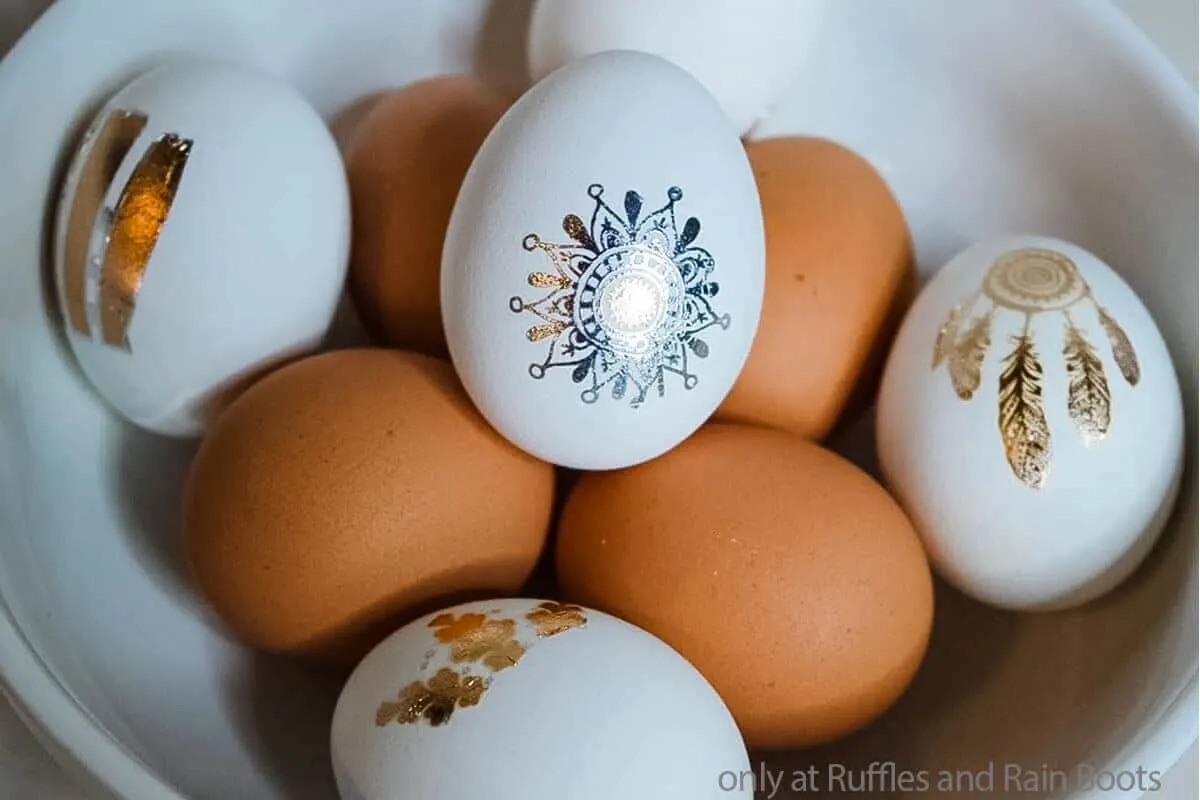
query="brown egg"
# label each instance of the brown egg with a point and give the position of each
(785, 574)
(406, 163)
(838, 254)
(350, 491)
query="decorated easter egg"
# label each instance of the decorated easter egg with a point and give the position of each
(530, 700)
(604, 264)
(202, 238)
(1030, 422)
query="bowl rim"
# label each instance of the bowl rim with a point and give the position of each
(88, 751)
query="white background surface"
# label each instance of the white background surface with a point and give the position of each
(28, 773)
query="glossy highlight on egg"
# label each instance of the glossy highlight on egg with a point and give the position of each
(630, 298)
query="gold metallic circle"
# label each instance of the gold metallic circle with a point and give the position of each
(1034, 280)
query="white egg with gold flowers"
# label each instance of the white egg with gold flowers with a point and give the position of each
(1031, 424)
(519, 699)
(201, 238)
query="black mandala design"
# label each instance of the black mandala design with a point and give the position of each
(626, 301)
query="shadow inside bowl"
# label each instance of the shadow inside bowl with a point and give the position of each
(150, 472)
(284, 709)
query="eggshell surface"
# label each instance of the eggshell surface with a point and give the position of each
(839, 260)
(1031, 424)
(406, 164)
(532, 700)
(785, 574)
(603, 268)
(350, 490)
(746, 53)
(202, 238)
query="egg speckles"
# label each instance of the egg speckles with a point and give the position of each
(406, 163)
(784, 573)
(346, 492)
(838, 259)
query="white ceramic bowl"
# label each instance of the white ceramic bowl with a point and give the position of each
(988, 117)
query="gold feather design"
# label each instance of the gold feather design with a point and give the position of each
(1122, 349)
(1088, 400)
(966, 359)
(1022, 419)
(944, 344)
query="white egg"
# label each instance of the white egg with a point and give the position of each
(1031, 424)
(532, 700)
(602, 275)
(747, 53)
(202, 236)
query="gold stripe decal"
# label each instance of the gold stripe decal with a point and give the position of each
(141, 211)
(113, 142)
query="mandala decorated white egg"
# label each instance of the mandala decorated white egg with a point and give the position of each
(1031, 424)
(529, 700)
(202, 237)
(603, 269)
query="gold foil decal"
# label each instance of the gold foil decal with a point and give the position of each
(1088, 399)
(539, 332)
(551, 619)
(1022, 418)
(1122, 350)
(548, 280)
(1028, 283)
(434, 701)
(137, 220)
(577, 230)
(966, 357)
(947, 336)
(475, 638)
(111, 144)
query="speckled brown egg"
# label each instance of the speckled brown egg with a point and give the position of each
(838, 258)
(346, 493)
(784, 573)
(406, 163)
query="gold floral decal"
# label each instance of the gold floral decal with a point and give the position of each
(1030, 282)
(434, 701)
(551, 619)
(475, 638)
